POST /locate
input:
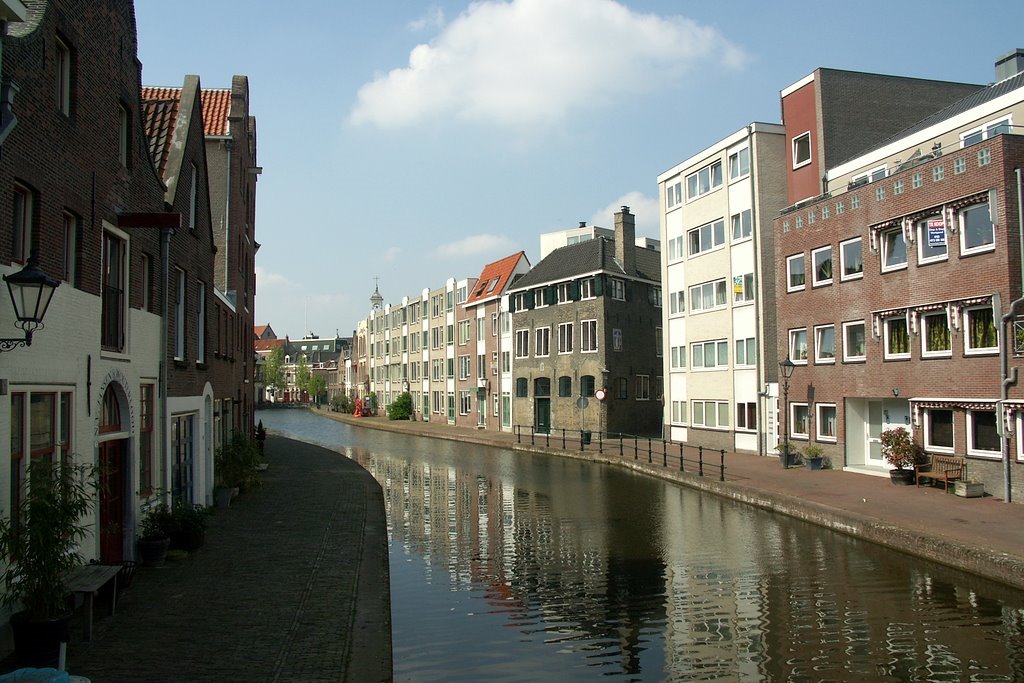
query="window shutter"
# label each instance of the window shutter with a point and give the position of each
(550, 296)
(512, 303)
(625, 290)
(574, 290)
(598, 285)
(531, 299)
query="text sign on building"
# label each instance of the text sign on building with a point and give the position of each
(936, 232)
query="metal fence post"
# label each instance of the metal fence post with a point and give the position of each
(721, 466)
(664, 453)
(681, 458)
(700, 460)
(563, 438)
(620, 443)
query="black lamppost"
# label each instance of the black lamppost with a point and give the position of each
(31, 290)
(786, 367)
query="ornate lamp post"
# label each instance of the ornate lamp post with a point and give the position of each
(31, 290)
(786, 368)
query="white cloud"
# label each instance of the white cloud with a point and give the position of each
(475, 245)
(644, 208)
(265, 279)
(528, 62)
(392, 253)
(434, 18)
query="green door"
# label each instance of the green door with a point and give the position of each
(543, 415)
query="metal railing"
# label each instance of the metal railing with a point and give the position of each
(676, 455)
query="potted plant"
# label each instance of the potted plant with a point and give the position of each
(900, 451)
(787, 458)
(188, 526)
(237, 463)
(965, 488)
(155, 535)
(40, 542)
(813, 456)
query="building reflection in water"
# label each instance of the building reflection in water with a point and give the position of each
(646, 580)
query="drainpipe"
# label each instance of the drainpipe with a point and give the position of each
(165, 273)
(7, 92)
(754, 230)
(1009, 375)
(227, 215)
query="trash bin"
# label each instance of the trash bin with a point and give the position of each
(585, 437)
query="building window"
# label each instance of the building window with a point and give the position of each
(587, 289)
(112, 314)
(938, 173)
(742, 227)
(982, 436)
(678, 357)
(894, 250)
(822, 260)
(706, 237)
(799, 421)
(854, 347)
(522, 343)
(654, 295)
(179, 318)
(123, 135)
(643, 387)
(565, 386)
(802, 150)
(976, 231)
(710, 355)
(621, 388)
(931, 240)
(739, 163)
(677, 303)
(851, 259)
(673, 195)
(743, 288)
(464, 367)
(22, 223)
(465, 405)
(795, 276)
(959, 165)
(897, 187)
(588, 336)
(879, 193)
(617, 289)
(840, 208)
(710, 414)
(193, 197)
(985, 132)
(587, 386)
(826, 421)
(746, 352)
(854, 201)
(798, 346)
(565, 338)
(616, 339)
(980, 331)
(916, 181)
(708, 296)
(825, 344)
(746, 417)
(679, 412)
(201, 322)
(63, 59)
(984, 157)
(659, 350)
(935, 337)
(542, 340)
(703, 181)
(70, 222)
(938, 430)
(897, 339)
(521, 387)
(464, 332)
(542, 386)
(825, 211)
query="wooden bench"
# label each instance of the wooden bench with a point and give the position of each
(87, 580)
(945, 467)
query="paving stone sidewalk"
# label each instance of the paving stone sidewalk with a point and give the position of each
(291, 585)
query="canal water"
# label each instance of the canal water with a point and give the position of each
(508, 566)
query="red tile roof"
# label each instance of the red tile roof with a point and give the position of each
(216, 107)
(494, 278)
(258, 330)
(268, 344)
(160, 107)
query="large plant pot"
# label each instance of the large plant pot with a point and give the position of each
(813, 463)
(222, 497)
(902, 477)
(153, 553)
(37, 643)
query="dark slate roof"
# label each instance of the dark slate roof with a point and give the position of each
(973, 100)
(596, 255)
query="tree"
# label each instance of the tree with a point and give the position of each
(302, 374)
(317, 387)
(273, 370)
(401, 407)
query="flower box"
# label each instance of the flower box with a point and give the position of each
(969, 489)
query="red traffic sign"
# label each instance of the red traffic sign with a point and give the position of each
(600, 394)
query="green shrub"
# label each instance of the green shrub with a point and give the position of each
(157, 523)
(236, 462)
(401, 407)
(899, 449)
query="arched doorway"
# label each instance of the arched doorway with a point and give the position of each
(113, 463)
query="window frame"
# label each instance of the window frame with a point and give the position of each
(565, 338)
(542, 334)
(981, 350)
(743, 293)
(588, 336)
(887, 353)
(737, 161)
(972, 447)
(927, 431)
(715, 228)
(23, 222)
(857, 275)
(923, 327)
(790, 260)
(819, 421)
(718, 287)
(961, 222)
(742, 230)
(824, 281)
(793, 336)
(793, 433)
(697, 192)
(114, 332)
(65, 67)
(921, 227)
(884, 249)
(795, 143)
(818, 358)
(847, 357)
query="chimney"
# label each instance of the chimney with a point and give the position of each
(625, 240)
(1010, 64)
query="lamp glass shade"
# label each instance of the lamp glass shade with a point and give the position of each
(31, 290)
(787, 366)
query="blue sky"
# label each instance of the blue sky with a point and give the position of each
(416, 141)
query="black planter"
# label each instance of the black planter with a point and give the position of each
(902, 477)
(153, 553)
(37, 643)
(813, 463)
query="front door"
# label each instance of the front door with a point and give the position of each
(873, 433)
(112, 483)
(543, 422)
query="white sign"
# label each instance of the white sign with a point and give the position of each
(600, 394)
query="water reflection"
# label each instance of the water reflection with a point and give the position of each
(510, 566)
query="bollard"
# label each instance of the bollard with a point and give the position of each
(650, 451)
(721, 466)
(700, 460)
(664, 453)
(636, 448)
(681, 469)
(620, 443)
(563, 438)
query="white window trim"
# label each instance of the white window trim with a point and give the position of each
(885, 339)
(983, 129)
(793, 434)
(713, 246)
(847, 358)
(986, 350)
(704, 407)
(843, 277)
(790, 287)
(923, 326)
(711, 188)
(977, 452)
(964, 250)
(882, 251)
(810, 153)
(815, 282)
(818, 422)
(921, 228)
(570, 339)
(927, 429)
(818, 360)
(728, 163)
(792, 347)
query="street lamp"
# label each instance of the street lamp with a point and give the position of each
(786, 367)
(31, 290)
